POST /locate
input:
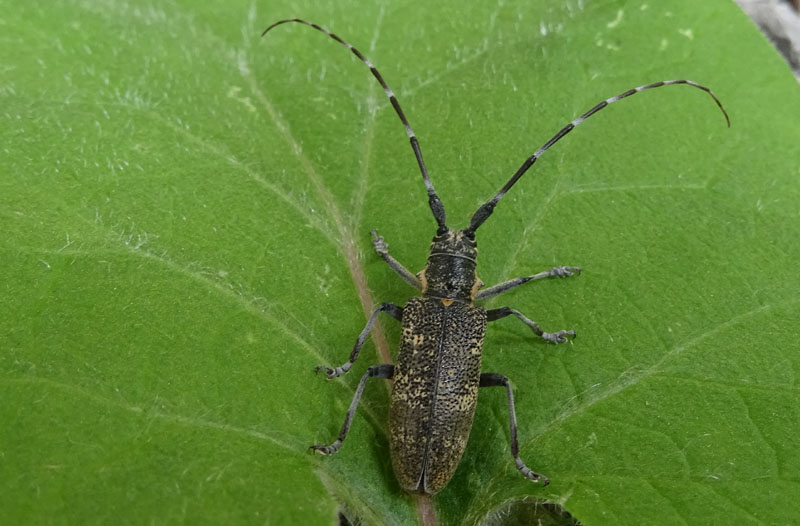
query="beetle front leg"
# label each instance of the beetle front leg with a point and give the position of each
(393, 310)
(382, 248)
(555, 272)
(376, 371)
(555, 337)
(497, 380)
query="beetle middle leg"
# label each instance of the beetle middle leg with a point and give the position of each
(555, 337)
(385, 370)
(391, 309)
(497, 380)
(494, 290)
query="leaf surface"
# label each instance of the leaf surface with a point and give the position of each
(186, 211)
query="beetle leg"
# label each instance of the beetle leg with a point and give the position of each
(385, 370)
(555, 337)
(382, 248)
(497, 380)
(494, 290)
(390, 308)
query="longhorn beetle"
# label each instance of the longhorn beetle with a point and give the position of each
(438, 369)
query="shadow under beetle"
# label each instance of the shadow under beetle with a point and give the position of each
(438, 369)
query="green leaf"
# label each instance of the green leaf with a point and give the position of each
(186, 208)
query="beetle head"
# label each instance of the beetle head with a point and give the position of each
(457, 243)
(450, 271)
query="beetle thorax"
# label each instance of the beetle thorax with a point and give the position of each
(450, 271)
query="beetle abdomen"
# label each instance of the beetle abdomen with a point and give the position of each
(436, 378)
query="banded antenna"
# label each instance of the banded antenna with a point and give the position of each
(433, 199)
(483, 213)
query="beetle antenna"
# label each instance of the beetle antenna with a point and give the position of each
(483, 213)
(433, 199)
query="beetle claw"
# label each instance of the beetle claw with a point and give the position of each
(327, 450)
(530, 474)
(333, 373)
(536, 477)
(330, 373)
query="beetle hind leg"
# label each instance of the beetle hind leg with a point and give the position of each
(385, 370)
(498, 380)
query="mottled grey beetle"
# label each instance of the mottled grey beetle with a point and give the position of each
(438, 369)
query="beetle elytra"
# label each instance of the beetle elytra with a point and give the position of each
(437, 374)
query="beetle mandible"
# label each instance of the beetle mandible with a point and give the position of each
(438, 369)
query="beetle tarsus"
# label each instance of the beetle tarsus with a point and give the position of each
(532, 475)
(381, 246)
(558, 337)
(563, 272)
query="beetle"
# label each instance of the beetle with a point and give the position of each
(437, 374)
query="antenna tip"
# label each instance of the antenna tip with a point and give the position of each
(725, 113)
(267, 30)
(721, 107)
